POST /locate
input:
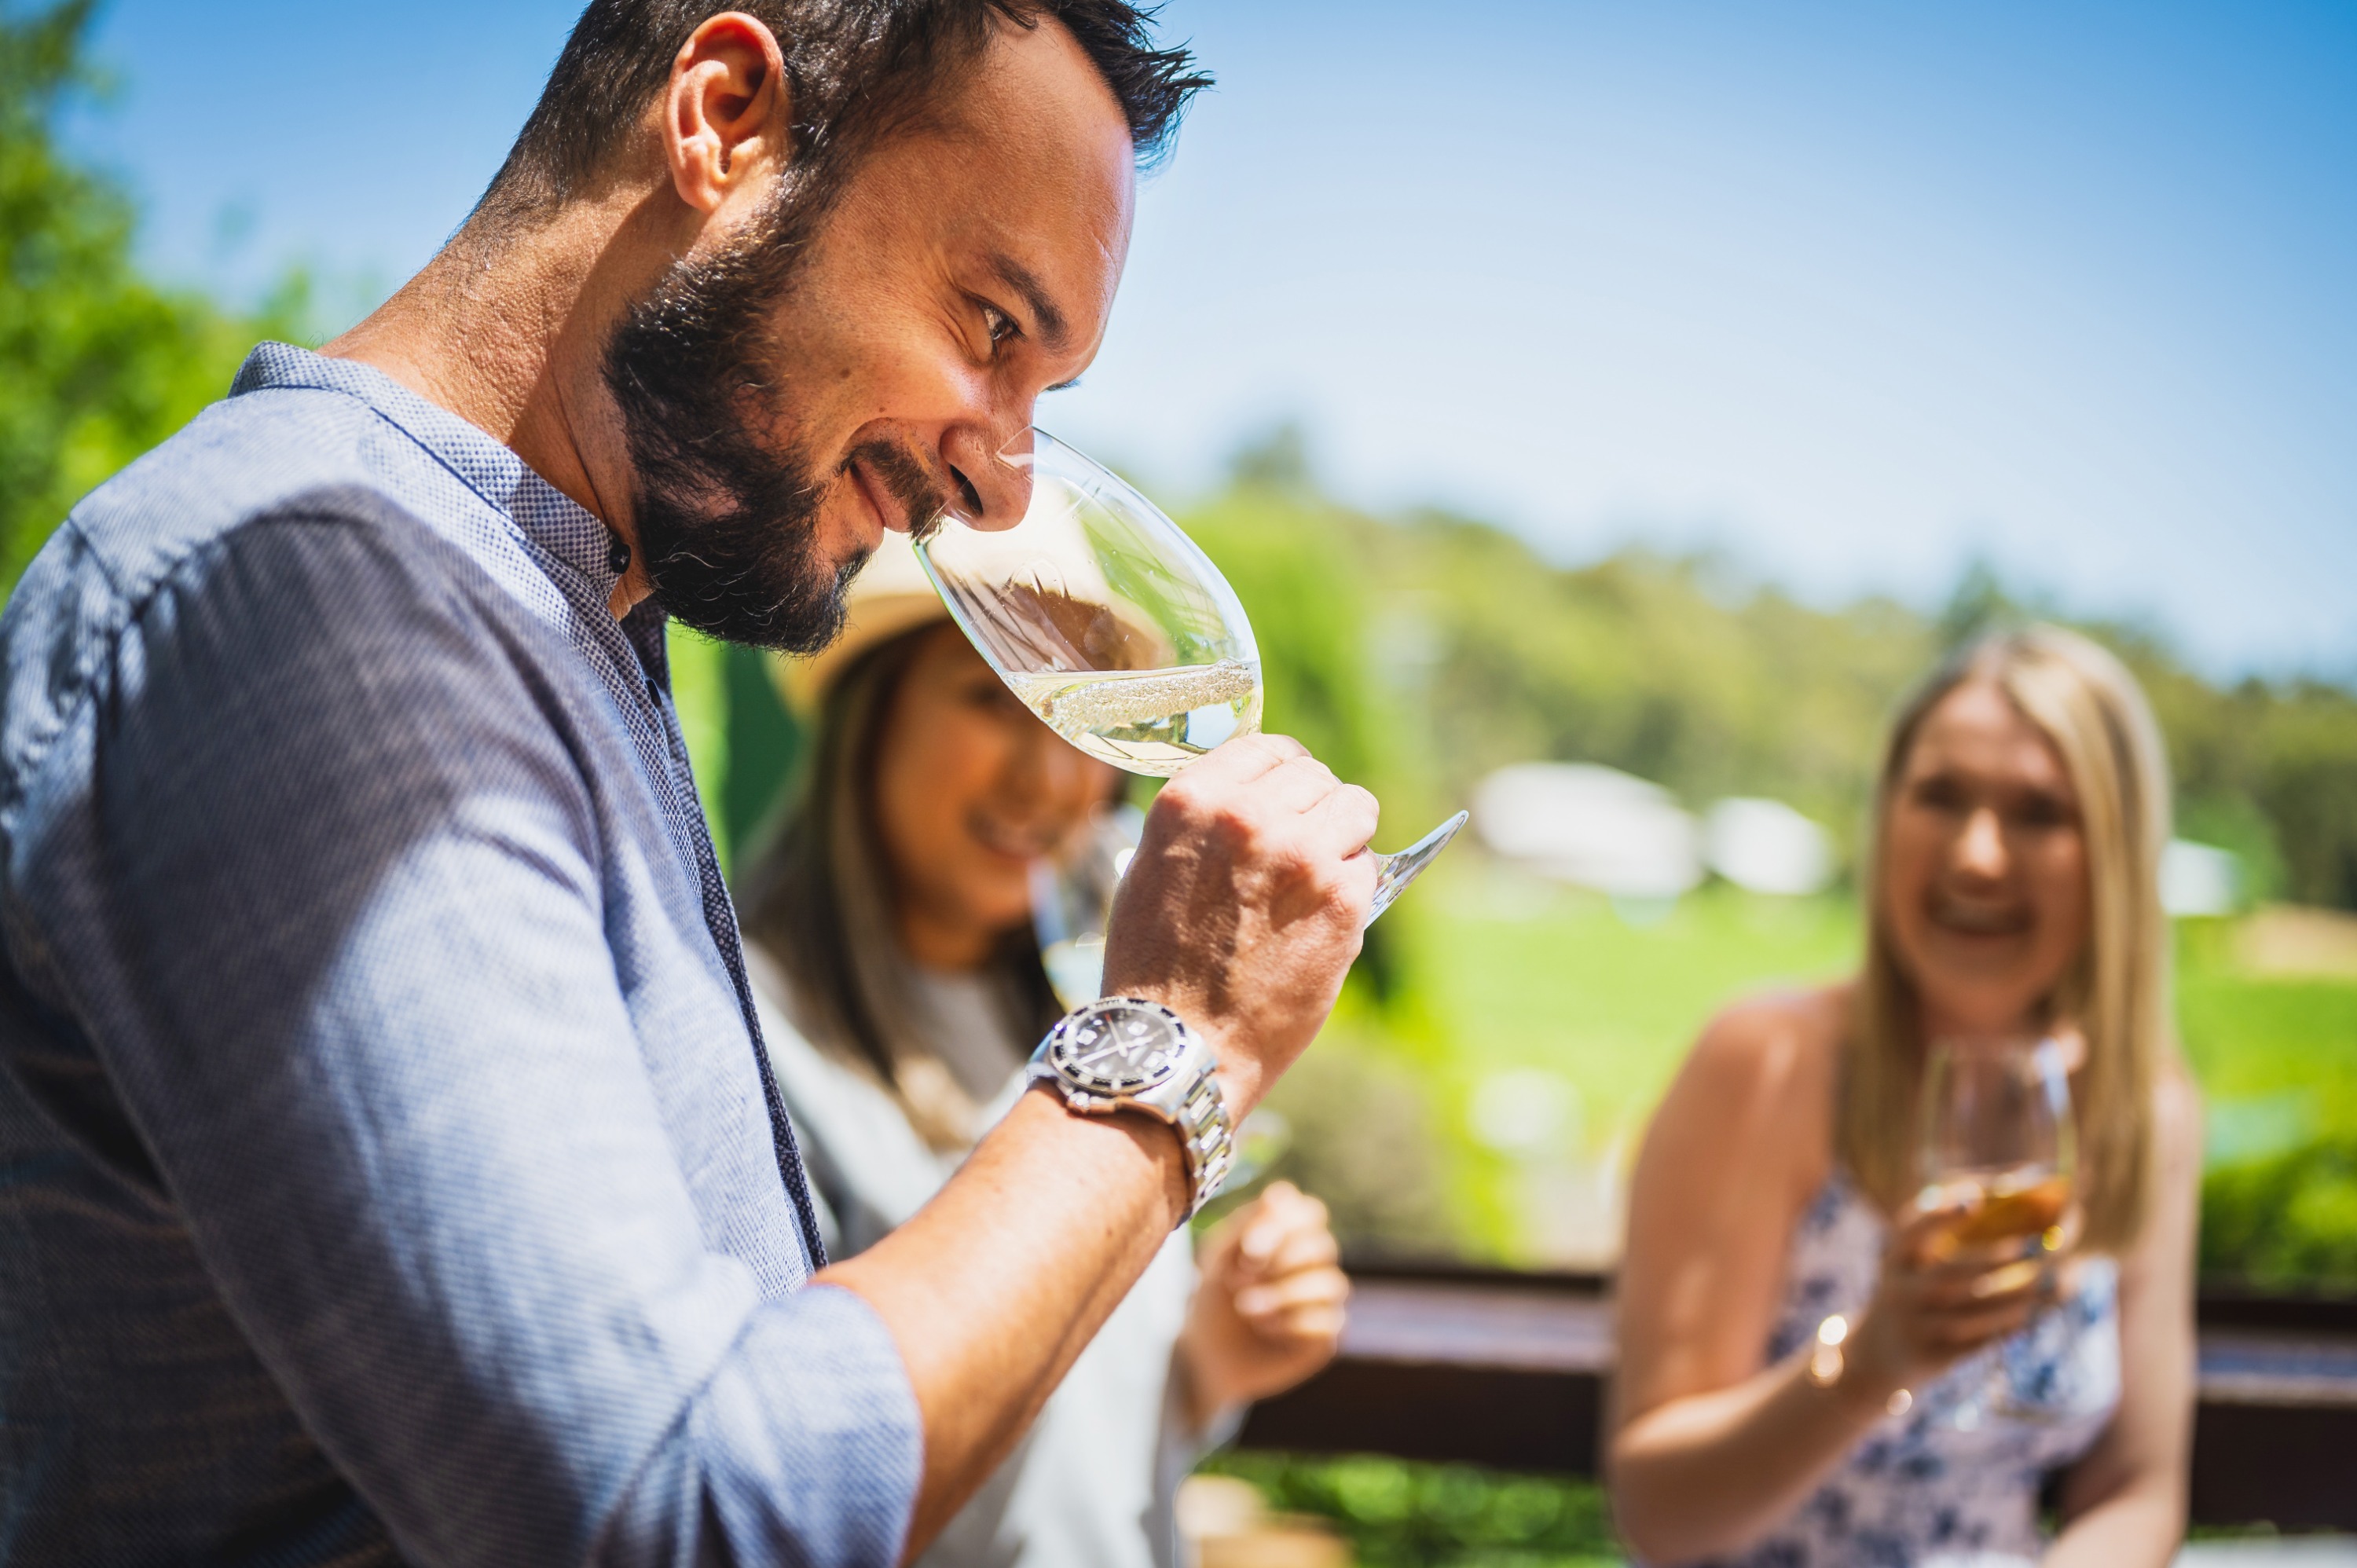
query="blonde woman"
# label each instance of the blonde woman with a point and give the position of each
(2019, 817)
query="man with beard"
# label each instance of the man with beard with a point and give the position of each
(389, 1166)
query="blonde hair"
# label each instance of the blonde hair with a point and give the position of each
(2116, 992)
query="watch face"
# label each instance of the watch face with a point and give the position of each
(1124, 1050)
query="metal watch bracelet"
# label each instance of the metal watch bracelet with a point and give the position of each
(1127, 1053)
(1203, 1128)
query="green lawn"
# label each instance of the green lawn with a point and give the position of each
(1518, 974)
(2277, 1058)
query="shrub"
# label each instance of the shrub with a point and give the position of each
(2288, 1220)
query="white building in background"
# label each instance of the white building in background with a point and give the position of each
(1766, 846)
(1596, 827)
(1599, 828)
(2199, 879)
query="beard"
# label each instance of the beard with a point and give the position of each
(727, 521)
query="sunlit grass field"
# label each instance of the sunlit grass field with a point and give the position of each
(1522, 974)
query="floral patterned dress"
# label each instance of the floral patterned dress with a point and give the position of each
(1955, 1482)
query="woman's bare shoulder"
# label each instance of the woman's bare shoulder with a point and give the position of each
(1778, 1043)
(1755, 1092)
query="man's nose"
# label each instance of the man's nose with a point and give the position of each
(1981, 851)
(994, 473)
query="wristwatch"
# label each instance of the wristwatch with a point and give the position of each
(1120, 1053)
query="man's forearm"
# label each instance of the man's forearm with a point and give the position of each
(994, 1287)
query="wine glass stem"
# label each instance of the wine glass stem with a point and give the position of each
(1394, 872)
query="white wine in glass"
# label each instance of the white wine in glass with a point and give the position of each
(1997, 1135)
(1107, 621)
(1147, 721)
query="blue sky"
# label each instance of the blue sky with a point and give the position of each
(1854, 293)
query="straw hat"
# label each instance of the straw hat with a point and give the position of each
(890, 596)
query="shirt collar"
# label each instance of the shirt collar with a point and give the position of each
(542, 512)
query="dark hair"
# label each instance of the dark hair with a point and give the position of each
(856, 70)
(817, 900)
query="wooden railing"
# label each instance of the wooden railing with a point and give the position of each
(1507, 1369)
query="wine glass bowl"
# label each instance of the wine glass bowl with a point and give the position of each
(1101, 615)
(1072, 901)
(1110, 624)
(1997, 1135)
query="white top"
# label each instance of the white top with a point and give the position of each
(1091, 1486)
(1954, 1481)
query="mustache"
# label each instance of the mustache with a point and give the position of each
(900, 471)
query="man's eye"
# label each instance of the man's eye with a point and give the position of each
(1001, 325)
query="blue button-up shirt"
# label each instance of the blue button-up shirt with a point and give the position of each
(388, 1165)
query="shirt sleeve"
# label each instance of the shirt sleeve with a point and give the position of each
(337, 922)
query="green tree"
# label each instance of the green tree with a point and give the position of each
(97, 364)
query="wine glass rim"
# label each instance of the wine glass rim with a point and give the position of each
(1095, 479)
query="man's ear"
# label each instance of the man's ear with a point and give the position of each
(726, 111)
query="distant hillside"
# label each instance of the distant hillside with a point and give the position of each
(1416, 655)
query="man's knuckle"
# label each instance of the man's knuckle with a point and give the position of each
(1230, 819)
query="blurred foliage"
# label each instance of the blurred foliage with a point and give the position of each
(97, 364)
(2277, 1061)
(2289, 1221)
(1371, 1136)
(1416, 655)
(1396, 1514)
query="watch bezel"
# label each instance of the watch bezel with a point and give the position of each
(1066, 1039)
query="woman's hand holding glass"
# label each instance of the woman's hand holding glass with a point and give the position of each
(1943, 1295)
(1978, 1252)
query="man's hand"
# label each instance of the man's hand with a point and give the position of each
(1243, 908)
(1268, 1312)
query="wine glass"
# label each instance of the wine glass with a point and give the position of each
(1108, 622)
(1998, 1138)
(1072, 901)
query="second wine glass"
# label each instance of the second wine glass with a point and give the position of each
(1111, 625)
(1998, 1140)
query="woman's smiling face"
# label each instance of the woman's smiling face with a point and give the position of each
(1984, 884)
(970, 790)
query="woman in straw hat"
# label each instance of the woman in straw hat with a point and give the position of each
(1800, 1315)
(890, 939)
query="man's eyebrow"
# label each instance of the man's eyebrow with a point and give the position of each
(1053, 334)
